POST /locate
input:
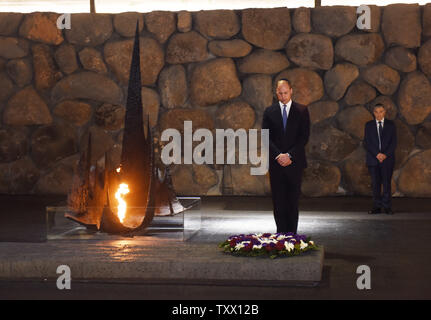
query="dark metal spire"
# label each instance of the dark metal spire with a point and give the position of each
(133, 125)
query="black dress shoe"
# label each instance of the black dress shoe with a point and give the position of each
(374, 211)
(388, 211)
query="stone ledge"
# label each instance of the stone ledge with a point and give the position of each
(169, 261)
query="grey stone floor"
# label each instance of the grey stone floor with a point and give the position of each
(396, 248)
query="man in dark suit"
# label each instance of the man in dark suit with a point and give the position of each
(289, 128)
(380, 142)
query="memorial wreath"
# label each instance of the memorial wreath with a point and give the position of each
(267, 244)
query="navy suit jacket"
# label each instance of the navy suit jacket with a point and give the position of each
(291, 141)
(388, 140)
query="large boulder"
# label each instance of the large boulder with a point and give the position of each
(353, 119)
(235, 48)
(65, 56)
(401, 25)
(59, 179)
(52, 143)
(4, 178)
(118, 57)
(6, 85)
(243, 183)
(89, 29)
(257, 91)
(110, 116)
(426, 22)
(161, 23)
(183, 182)
(184, 21)
(9, 22)
(322, 110)
(235, 115)
(87, 85)
(125, 23)
(214, 81)
(101, 142)
(320, 179)
(13, 48)
(383, 78)
(415, 177)
(92, 60)
(414, 98)
(19, 176)
(401, 59)
(423, 136)
(46, 73)
(301, 20)
(190, 180)
(359, 93)
(356, 177)
(41, 27)
(360, 49)
(174, 119)
(376, 14)
(329, 144)
(311, 50)
(186, 47)
(306, 84)
(173, 86)
(263, 61)
(339, 78)
(25, 108)
(72, 111)
(333, 21)
(150, 105)
(405, 143)
(220, 24)
(266, 28)
(424, 58)
(20, 71)
(13, 143)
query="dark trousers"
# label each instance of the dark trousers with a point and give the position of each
(381, 176)
(286, 189)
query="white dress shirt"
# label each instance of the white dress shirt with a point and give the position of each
(382, 121)
(378, 133)
(287, 107)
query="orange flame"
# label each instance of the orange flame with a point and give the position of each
(122, 204)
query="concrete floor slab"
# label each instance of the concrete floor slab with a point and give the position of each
(394, 247)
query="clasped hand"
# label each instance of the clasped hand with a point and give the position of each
(284, 160)
(381, 157)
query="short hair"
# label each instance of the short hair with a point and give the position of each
(284, 80)
(379, 105)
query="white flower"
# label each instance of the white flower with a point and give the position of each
(311, 242)
(281, 237)
(241, 245)
(257, 246)
(264, 240)
(303, 245)
(289, 246)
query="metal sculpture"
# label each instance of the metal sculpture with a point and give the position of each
(124, 200)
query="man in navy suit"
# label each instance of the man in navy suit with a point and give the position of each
(380, 142)
(289, 128)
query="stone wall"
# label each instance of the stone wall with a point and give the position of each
(218, 69)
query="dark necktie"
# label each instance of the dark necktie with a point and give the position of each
(284, 117)
(380, 135)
